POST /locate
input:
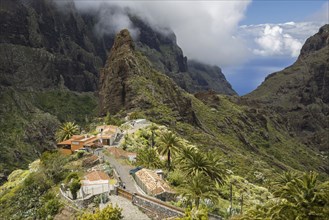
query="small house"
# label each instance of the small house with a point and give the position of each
(97, 182)
(152, 184)
(107, 134)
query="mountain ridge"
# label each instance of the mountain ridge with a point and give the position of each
(299, 91)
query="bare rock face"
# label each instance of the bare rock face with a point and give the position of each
(121, 63)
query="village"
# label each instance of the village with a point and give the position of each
(113, 176)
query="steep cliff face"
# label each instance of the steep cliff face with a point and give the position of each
(300, 92)
(46, 58)
(166, 56)
(43, 47)
(129, 83)
(208, 78)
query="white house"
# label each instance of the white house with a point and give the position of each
(96, 182)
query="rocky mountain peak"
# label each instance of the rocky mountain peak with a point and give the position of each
(120, 64)
(123, 41)
(129, 82)
(316, 42)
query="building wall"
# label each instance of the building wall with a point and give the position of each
(65, 151)
(76, 145)
(142, 185)
(97, 189)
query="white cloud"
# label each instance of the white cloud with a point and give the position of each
(206, 30)
(273, 41)
(278, 39)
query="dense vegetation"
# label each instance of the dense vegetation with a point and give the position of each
(29, 121)
(30, 194)
(204, 182)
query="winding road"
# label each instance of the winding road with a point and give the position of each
(123, 171)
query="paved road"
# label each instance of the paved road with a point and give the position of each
(123, 171)
(129, 211)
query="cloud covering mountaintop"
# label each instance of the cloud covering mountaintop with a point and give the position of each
(206, 30)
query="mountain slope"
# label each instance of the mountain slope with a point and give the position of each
(50, 58)
(250, 140)
(300, 92)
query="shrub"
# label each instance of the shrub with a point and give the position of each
(110, 212)
(74, 187)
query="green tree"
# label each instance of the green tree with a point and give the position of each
(53, 165)
(191, 161)
(168, 143)
(125, 127)
(75, 185)
(198, 188)
(66, 131)
(153, 128)
(302, 198)
(148, 158)
(108, 213)
(72, 181)
(296, 197)
(111, 120)
(195, 214)
(51, 206)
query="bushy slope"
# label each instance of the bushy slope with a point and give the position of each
(299, 93)
(29, 119)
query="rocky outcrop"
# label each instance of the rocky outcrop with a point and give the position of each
(300, 92)
(206, 77)
(128, 82)
(115, 92)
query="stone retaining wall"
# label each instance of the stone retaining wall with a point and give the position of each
(158, 208)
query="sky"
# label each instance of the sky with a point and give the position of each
(275, 32)
(248, 39)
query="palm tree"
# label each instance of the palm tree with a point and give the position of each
(192, 162)
(153, 128)
(168, 143)
(296, 197)
(149, 158)
(198, 188)
(302, 198)
(66, 131)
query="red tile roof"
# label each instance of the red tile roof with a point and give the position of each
(153, 182)
(73, 138)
